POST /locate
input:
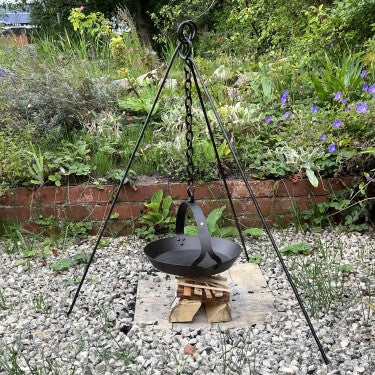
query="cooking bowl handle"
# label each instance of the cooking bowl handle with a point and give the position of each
(204, 235)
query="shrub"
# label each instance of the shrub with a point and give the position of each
(56, 95)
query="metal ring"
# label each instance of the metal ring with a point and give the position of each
(188, 26)
(185, 50)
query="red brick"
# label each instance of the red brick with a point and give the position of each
(142, 192)
(90, 194)
(49, 194)
(238, 188)
(44, 211)
(303, 187)
(75, 212)
(210, 190)
(17, 197)
(18, 213)
(125, 211)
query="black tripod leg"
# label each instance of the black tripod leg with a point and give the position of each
(219, 164)
(123, 178)
(259, 211)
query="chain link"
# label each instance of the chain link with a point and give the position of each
(189, 133)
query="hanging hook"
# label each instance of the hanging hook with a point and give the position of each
(186, 32)
(188, 27)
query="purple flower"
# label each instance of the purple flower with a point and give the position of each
(1, 73)
(337, 123)
(284, 97)
(365, 87)
(338, 96)
(347, 108)
(323, 138)
(370, 179)
(344, 100)
(292, 116)
(314, 109)
(268, 119)
(324, 233)
(363, 73)
(331, 148)
(361, 107)
(286, 115)
(371, 90)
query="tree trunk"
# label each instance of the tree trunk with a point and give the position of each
(142, 24)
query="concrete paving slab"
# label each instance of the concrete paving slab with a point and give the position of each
(251, 300)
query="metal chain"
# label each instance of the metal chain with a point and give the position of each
(189, 133)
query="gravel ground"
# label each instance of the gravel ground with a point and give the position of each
(100, 338)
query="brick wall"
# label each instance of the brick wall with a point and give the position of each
(90, 203)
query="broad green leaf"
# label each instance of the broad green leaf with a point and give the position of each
(312, 178)
(62, 265)
(167, 201)
(191, 230)
(297, 248)
(157, 197)
(214, 217)
(254, 232)
(227, 232)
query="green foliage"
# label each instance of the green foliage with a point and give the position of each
(13, 158)
(94, 24)
(318, 279)
(345, 78)
(78, 229)
(36, 170)
(156, 218)
(254, 232)
(255, 259)
(214, 223)
(346, 268)
(296, 249)
(66, 263)
(351, 207)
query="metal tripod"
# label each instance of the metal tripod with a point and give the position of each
(186, 33)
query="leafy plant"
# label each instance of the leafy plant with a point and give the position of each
(296, 249)
(213, 224)
(156, 218)
(65, 263)
(36, 169)
(255, 259)
(79, 229)
(254, 232)
(345, 79)
(346, 268)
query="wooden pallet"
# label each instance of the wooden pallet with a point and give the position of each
(212, 291)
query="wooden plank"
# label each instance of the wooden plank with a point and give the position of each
(208, 293)
(211, 287)
(187, 291)
(184, 311)
(197, 291)
(218, 312)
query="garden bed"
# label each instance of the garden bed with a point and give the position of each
(88, 203)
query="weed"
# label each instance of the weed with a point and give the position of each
(236, 354)
(41, 305)
(319, 278)
(3, 301)
(66, 263)
(296, 249)
(156, 219)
